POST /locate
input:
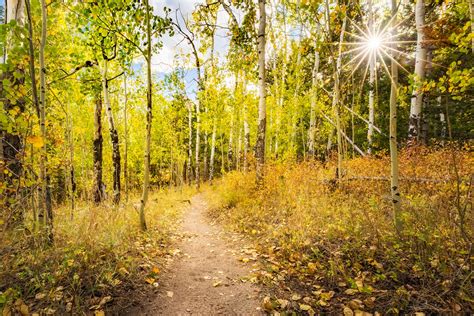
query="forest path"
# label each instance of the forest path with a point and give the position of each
(207, 278)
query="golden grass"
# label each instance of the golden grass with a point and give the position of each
(98, 253)
(324, 234)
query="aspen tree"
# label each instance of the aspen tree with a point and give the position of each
(149, 118)
(46, 211)
(419, 75)
(262, 111)
(394, 185)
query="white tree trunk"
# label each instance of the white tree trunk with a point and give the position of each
(239, 148)
(312, 122)
(15, 10)
(230, 145)
(417, 94)
(113, 134)
(442, 119)
(295, 116)
(213, 150)
(46, 211)
(198, 144)
(335, 100)
(246, 139)
(189, 167)
(370, 131)
(125, 127)
(146, 172)
(394, 186)
(262, 109)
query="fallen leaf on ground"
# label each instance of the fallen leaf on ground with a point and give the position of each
(150, 280)
(295, 297)
(322, 303)
(105, 300)
(267, 303)
(347, 311)
(21, 307)
(283, 303)
(356, 304)
(307, 309)
(40, 296)
(350, 291)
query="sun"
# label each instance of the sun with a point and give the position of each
(374, 43)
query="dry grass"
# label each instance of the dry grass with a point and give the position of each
(315, 234)
(99, 255)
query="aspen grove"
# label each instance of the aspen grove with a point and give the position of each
(173, 157)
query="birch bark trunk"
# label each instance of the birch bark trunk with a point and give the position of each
(46, 211)
(262, 110)
(312, 122)
(97, 151)
(370, 131)
(394, 186)
(213, 150)
(113, 134)
(149, 118)
(125, 127)
(335, 101)
(189, 168)
(420, 62)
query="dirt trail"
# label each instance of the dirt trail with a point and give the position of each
(206, 279)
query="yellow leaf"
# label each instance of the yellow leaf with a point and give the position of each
(267, 304)
(99, 313)
(350, 291)
(6, 311)
(307, 308)
(347, 311)
(150, 280)
(295, 297)
(36, 141)
(323, 303)
(283, 303)
(21, 307)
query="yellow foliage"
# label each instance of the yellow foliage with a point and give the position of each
(343, 233)
(36, 141)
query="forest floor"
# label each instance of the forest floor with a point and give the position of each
(207, 277)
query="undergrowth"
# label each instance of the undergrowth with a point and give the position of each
(98, 256)
(332, 247)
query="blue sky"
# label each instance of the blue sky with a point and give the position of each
(165, 61)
